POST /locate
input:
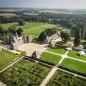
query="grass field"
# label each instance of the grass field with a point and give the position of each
(74, 65)
(57, 50)
(74, 55)
(50, 57)
(25, 73)
(31, 28)
(5, 57)
(64, 79)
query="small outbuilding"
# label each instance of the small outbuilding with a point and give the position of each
(81, 53)
(69, 48)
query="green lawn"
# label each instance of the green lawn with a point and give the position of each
(57, 50)
(50, 57)
(5, 57)
(9, 24)
(31, 28)
(74, 65)
(74, 55)
(25, 73)
(65, 79)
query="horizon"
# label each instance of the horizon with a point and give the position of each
(48, 4)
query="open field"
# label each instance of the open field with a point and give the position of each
(24, 73)
(7, 14)
(30, 14)
(50, 57)
(74, 65)
(5, 57)
(57, 50)
(64, 79)
(74, 55)
(31, 28)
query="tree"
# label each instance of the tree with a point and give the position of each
(19, 32)
(65, 36)
(12, 29)
(77, 38)
(21, 22)
(43, 36)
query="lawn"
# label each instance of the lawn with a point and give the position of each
(74, 55)
(65, 79)
(57, 50)
(25, 73)
(5, 57)
(31, 28)
(9, 24)
(74, 65)
(50, 57)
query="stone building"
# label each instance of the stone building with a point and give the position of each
(14, 40)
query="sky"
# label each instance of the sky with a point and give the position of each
(69, 4)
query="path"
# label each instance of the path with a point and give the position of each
(11, 64)
(54, 69)
(51, 73)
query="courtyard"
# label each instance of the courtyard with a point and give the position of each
(29, 48)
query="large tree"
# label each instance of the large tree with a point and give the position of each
(65, 36)
(12, 29)
(77, 38)
(19, 32)
(21, 22)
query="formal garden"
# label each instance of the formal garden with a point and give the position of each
(75, 55)
(74, 65)
(65, 79)
(6, 57)
(57, 49)
(25, 73)
(50, 57)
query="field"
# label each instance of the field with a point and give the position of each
(74, 65)
(57, 50)
(25, 73)
(50, 57)
(74, 55)
(7, 14)
(31, 28)
(6, 57)
(30, 14)
(64, 79)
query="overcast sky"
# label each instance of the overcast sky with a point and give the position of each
(81, 4)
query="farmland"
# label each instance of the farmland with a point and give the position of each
(7, 14)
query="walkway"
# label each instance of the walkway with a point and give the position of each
(54, 69)
(11, 64)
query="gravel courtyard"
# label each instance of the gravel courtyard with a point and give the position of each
(31, 47)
